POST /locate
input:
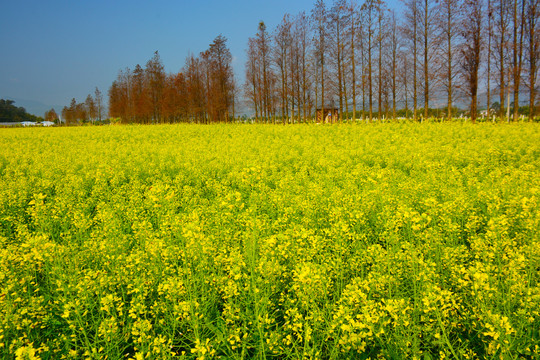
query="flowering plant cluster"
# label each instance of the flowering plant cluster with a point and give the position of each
(251, 241)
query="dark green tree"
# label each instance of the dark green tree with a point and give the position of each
(11, 113)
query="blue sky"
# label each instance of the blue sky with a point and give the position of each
(52, 51)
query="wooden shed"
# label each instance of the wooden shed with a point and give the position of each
(330, 115)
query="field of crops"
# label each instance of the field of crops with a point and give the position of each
(288, 242)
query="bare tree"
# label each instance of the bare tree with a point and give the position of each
(500, 38)
(448, 12)
(91, 108)
(196, 84)
(301, 48)
(411, 33)
(99, 104)
(156, 80)
(394, 45)
(320, 43)
(404, 79)
(517, 50)
(428, 38)
(140, 96)
(369, 9)
(471, 50)
(294, 75)
(532, 14)
(488, 57)
(381, 36)
(263, 45)
(252, 89)
(282, 40)
(221, 85)
(120, 98)
(338, 22)
(363, 57)
(353, 31)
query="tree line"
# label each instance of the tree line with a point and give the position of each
(369, 62)
(203, 91)
(361, 57)
(89, 111)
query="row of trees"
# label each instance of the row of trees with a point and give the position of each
(370, 62)
(356, 55)
(91, 110)
(203, 91)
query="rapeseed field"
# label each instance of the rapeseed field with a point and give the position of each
(395, 241)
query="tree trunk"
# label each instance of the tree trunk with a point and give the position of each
(426, 72)
(353, 63)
